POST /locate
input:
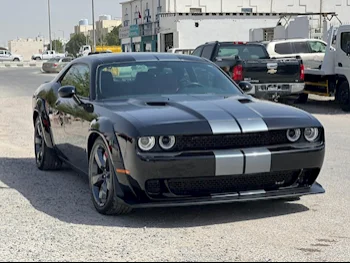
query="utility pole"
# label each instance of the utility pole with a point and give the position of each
(93, 26)
(49, 11)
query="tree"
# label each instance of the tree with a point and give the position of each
(112, 38)
(57, 45)
(75, 43)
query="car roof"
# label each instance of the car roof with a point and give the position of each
(295, 40)
(108, 58)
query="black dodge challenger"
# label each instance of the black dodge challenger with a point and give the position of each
(158, 130)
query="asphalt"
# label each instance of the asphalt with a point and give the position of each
(48, 216)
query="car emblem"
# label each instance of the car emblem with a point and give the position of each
(272, 68)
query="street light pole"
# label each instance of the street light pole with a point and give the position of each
(93, 26)
(49, 11)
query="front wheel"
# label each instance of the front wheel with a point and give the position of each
(46, 158)
(101, 178)
(344, 96)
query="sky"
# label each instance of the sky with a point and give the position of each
(29, 18)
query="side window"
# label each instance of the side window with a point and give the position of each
(284, 49)
(317, 46)
(345, 40)
(197, 52)
(301, 47)
(1, 52)
(79, 77)
(208, 51)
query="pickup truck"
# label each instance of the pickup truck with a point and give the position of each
(47, 55)
(250, 62)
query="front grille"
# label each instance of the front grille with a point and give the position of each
(231, 141)
(230, 184)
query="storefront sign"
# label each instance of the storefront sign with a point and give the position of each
(134, 31)
(124, 32)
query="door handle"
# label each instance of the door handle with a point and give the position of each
(340, 64)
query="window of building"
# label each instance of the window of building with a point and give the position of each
(147, 14)
(137, 15)
(78, 76)
(126, 17)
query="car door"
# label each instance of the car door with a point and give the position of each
(8, 56)
(76, 120)
(301, 48)
(342, 60)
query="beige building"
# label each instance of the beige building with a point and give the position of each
(104, 26)
(27, 47)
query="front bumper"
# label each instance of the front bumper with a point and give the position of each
(238, 197)
(269, 167)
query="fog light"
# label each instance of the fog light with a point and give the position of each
(153, 187)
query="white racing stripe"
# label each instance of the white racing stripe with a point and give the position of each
(229, 162)
(258, 160)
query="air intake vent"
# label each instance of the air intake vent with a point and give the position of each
(244, 101)
(157, 104)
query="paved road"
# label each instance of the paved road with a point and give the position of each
(49, 215)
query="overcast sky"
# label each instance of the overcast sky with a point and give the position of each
(29, 18)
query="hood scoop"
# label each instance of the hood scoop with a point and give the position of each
(244, 101)
(157, 103)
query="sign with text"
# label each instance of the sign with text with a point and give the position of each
(134, 31)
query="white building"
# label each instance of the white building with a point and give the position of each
(156, 25)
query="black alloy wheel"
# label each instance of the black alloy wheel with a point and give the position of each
(101, 177)
(46, 158)
(344, 96)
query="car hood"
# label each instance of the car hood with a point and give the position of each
(207, 114)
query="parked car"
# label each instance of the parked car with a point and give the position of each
(162, 135)
(271, 78)
(311, 51)
(47, 55)
(55, 65)
(6, 55)
(185, 51)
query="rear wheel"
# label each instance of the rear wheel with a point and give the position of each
(303, 98)
(46, 158)
(344, 96)
(16, 60)
(101, 177)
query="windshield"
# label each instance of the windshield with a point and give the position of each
(162, 78)
(243, 51)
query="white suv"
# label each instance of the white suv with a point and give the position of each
(311, 51)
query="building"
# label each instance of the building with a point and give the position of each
(27, 47)
(104, 26)
(156, 25)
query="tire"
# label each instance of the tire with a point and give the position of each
(16, 60)
(37, 59)
(101, 182)
(45, 157)
(344, 96)
(302, 98)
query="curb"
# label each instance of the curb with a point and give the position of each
(20, 65)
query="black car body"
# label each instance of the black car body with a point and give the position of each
(250, 61)
(228, 146)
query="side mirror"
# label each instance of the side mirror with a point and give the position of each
(67, 92)
(245, 86)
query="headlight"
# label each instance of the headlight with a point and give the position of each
(294, 135)
(311, 134)
(147, 143)
(167, 142)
